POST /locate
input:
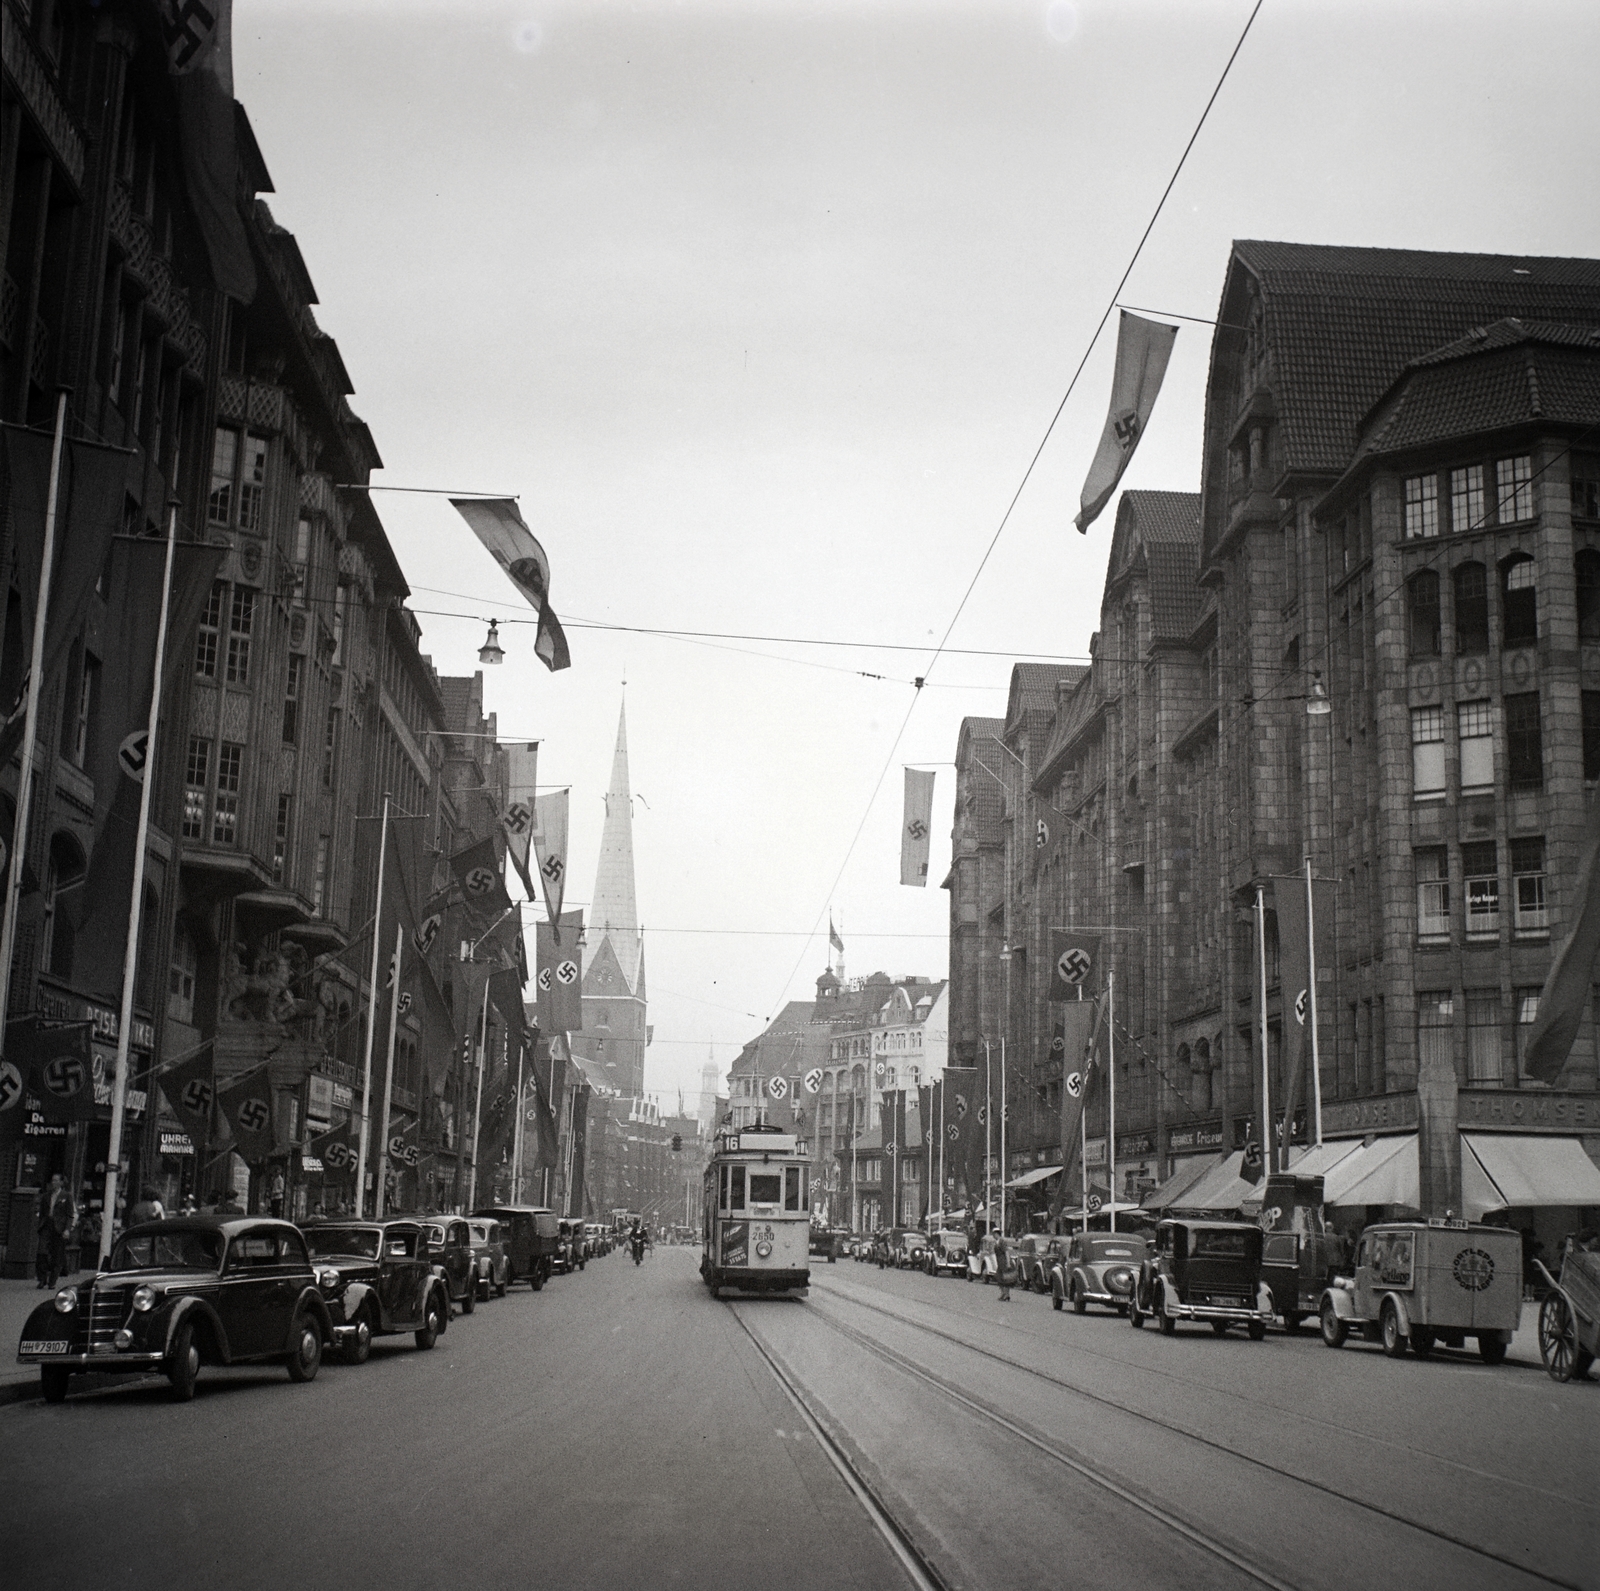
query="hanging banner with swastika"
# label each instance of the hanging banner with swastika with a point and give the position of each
(550, 851)
(1080, 1030)
(916, 827)
(1305, 941)
(1143, 349)
(517, 820)
(477, 870)
(191, 1090)
(247, 1107)
(63, 1071)
(778, 1087)
(813, 1080)
(1073, 957)
(560, 977)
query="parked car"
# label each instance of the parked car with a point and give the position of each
(946, 1254)
(1203, 1270)
(182, 1293)
(448, 1242)
(1298, 1253)
(1098, 1268)
(1034, 1255)
(826, 1243)
(909, 1248)
(571, 1251)
(981, 1263)
(531, 1234)
(883, 1246)
(598, 1238)
(1419, 1283)
(377, 1279)
(491, 1262)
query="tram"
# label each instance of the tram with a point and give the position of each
(757, 1218)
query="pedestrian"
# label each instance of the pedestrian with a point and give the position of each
(188, 1207)
(1002, 1262)
(148, 1207)
(57, 1217)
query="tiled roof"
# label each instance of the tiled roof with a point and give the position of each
(984, 792)
(1167, 526)
(1165, 516)
(1341, 323)
(1031, 704)
(1508, 333)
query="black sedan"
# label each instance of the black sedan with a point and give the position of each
(377, 1279)
(178, 1294)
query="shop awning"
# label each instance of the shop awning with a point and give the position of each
(1526, 1171)
(1384, 1172)
(1171, 1191)
(1221, 1188)
(1038, 1174)
(1076, 1216)
(1316, 1161)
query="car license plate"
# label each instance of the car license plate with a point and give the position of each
(37, 1345)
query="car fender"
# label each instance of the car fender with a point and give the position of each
(1264, 1300)
(1400, 1309)
(312, 1301)
(1343, 1301)
(356, 1297)
(206, 1321)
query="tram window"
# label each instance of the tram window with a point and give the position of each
(723, 1200)
(766, 1187)
(736, 1188)
(791, 1187)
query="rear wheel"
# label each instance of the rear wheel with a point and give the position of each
(1220, 1327)
(1491, 1350)
(500, 1287)
(183, 1363)
(469, 1299)
(428, 1333)
(1421, 1341)
(358, 1345)
(1334, 1329)
(53, 1381)
(1080, 1304)
(1168, 1323)
(1056, 1300)
(1291, 1321)
(1135, 1314)
(1394, 1340)
(305, 1358)
(1257, 1330)
(1558, 1337)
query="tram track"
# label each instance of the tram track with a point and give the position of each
(1147, 1505)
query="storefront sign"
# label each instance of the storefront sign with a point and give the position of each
(35, 1126)
(176, 1143)
(1199, 1139)
(319, 1100)
(1135, 1144)
(1095, 1155)
(1532, 1111)
(1350, 1118)
(342, 1096)
(310, 1163)
(60, 1007)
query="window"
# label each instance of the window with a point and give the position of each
(241, 623)
(224, 460)
(1585, 470)
(1591, 735)
(1472, 608)
(225, 812)
(1519, 592)
(119, 344)
(206, 647)
(1527, 886)
(1436, 1016)
(319, 878)
(1483, 1038)
(1513, 480)
(181, 975)
(1422, 612)
(302, 554)
(252, 482)
(1466, 498)
(791, 1187)
(341, 599)
(291, 700)
(1527, 1008)
(1586, 566)
(63, 876)
(80, 718)
(1480, 877)
(280, 838)
(1427, 752)
(736, 1188)
(1433, 895)
(195, 778)
(1422, 506)
(330, 746)
(1524, 748)
(1475, 732)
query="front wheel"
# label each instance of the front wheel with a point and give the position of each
(305, 1359)
(469, 1299)
(1257, 1330)
(1421, 1341)
(1220, 1327)
(428, 1333)
(1558, 1337)
(1080, 1304)
(358, 1345)
(1491, 1350)
(500, 1287)
(1056, 1299)
(1334, 1330)
(183, 1363)
(53, 1381)
(1168, 1323)
(1292, 1320)
(1394, 1340)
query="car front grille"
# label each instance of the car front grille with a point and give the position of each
(108, 1308)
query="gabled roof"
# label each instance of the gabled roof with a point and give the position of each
(986, 798)
(1341, 323)
(1163, 530)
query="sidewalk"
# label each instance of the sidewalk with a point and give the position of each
(17, 1300)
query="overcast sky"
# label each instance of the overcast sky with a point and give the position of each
(762, 309)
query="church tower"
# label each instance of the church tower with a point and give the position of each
(615, 1032)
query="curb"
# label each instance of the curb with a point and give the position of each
(23, 1391)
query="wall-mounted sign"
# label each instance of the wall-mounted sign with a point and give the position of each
(176, 1143)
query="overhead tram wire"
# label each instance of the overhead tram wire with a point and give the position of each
(1027, 474)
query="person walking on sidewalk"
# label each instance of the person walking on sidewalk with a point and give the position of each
(1002, 1264)
(57, 1215)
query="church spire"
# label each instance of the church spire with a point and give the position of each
(613, 913)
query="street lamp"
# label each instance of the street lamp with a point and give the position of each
(1317, 703)
(491, 651)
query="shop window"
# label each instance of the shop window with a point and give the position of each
(64, 875)
(1466, 498)
(1527, 884)
(210, 636)
(1427, 752)
(196, 777)
(1436, 1022)
(1475, 737)
(1524, 744)
(1422, 613)
(182, 974)
(1513, 481)
(1519, 601)
(1472, 608)
(1586, 568)
(1422, 506)
(1480, 880)
(1527, 1008)
(1484, 1010)
(1433, 895)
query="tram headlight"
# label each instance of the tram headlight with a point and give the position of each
(763, 1250)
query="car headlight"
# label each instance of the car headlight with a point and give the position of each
(144, 1298)
(329, 1279)
(763, 1249)
(67, 1300)
(1118, 1281)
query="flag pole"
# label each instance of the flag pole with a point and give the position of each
(381, 1170)
(988, 1139)
(477, 1109)
(130, 954)
(1311, 996)
(1003, 1167)
(1269, 1151)
(30, 731)
(372, 1008)
(1111, 1095)
(1083, 1154)
(516, 1142)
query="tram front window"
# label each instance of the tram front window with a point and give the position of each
(766, 1187)
(736, 1187)
(791, 1188)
